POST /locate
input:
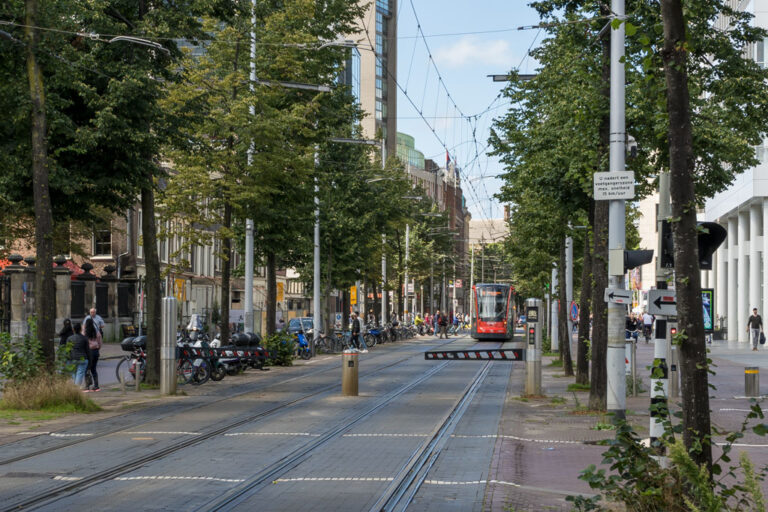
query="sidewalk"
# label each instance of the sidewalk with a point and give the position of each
(545, 443)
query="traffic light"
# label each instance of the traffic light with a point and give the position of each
(710, 236)
(634, 259)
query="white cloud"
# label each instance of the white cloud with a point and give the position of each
(470, 49)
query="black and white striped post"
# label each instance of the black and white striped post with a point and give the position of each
(659, 385)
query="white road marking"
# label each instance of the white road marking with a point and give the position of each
(205, 478)
(744, 445)
(57, 434)
(305, 434)
(166, 432)
(68, 478)
(32, 433)
(515, 438)
(384, 435)
(736, 410)
(334, 479)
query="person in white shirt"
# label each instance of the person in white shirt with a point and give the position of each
(647, 325)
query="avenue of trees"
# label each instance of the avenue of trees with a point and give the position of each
(96, 125)
(696, 105)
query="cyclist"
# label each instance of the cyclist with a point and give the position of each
(647, 326)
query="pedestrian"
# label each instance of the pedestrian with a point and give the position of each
(436, 323)
(93, 333)
(755, 327)
(357, 339)
(443, 323)
(79, 354)
(98, 320)
(66, 332)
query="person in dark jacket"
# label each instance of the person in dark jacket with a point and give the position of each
(80, 355)
(93, 333)
(66, 332)
(357, 337)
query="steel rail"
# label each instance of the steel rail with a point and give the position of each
(69, 488)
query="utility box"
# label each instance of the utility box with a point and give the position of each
(533, 352)
(349, 372)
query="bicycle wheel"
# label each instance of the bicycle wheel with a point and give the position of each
(218, 372)
(185, 372)
(202, 373)
(126, 370)
(370, 340)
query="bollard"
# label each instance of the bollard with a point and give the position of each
(752, 381)
(167, 348)
(349, 366)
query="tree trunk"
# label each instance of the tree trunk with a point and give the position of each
(271, 292)
(400, 267)
(562, 318)
(226, 275)
(693, 349)
(582, 363)
(152, 283)
(45, 288)
(598, 386)
(329, 322)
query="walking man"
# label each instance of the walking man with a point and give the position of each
(754, 328)
(357, 338)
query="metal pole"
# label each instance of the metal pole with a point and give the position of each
(616, 399)
(431, 286)
(554, 330)
(383, 279)
(471, 284)
(167, 348)
(442, 293)
(407, 237)
(316, 278)
(660, 385)
(568, 285)
(248, 313)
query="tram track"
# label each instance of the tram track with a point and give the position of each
(69, 488)
(251, 388)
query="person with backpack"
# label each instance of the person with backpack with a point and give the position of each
(93, 333)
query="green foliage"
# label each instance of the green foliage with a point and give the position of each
(575, 386)
(23, 360)
(281, 348)
(636, 479)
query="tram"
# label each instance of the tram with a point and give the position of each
(493, 312)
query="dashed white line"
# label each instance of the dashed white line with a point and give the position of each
(166, 433)
(57, 434)
(67, 478)
(384, 435)
(169, 477)
(305, 434)
(516, 438)
(32, 433)
(736, 410)
(334, 479)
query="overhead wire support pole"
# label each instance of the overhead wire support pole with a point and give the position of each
(616, 389)
(318, 324)
(249, 222)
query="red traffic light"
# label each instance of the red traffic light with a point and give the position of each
(673, 331)
(531, 330)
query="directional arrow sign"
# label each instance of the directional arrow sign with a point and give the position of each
(662, 302)
(618, 296)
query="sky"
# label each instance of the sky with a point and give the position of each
(467, 40)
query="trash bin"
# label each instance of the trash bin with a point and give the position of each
(752, 381)
(349, 365)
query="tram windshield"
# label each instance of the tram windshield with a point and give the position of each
(491, 303)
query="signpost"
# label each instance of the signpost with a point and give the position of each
(459, 283)
(532, 314)
(662, 302)
(574, 311)
(617, 296)
(614, 185)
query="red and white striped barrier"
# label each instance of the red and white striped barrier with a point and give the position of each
(501, 354)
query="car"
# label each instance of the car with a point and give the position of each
(299, 324)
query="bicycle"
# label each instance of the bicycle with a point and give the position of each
(126, 368)
(185, 369)
(647, 331)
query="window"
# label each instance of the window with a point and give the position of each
(760, 53)
(102, 240)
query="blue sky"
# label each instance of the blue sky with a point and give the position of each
(489, 44)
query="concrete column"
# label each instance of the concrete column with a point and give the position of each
(742, 291)
(18, 320)
(731, 315)
(721, 270)
(721, 278)
(755, 268)
(764, 309)
(90, 285)
(63, 279)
